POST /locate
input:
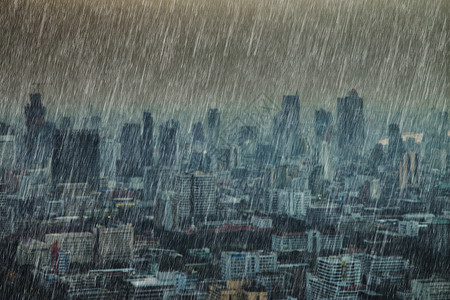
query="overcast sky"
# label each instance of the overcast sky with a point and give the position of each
(169, 55)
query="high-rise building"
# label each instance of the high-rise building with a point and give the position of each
(289, 241)
(168, 143)
(35, 118)
(197, 133)
(409, 170)
(223, 159)
(395, 149)
(195, 194)
(376, 158)
(336, 278)
(430, 289)
(380, 269)
(80, 245)
(323, 120)
(286, 127)
(245, 265)
(129, 164)
(7, 151)
(213, 126)
(6, 217)
(439, 232)
(436, 130)
(147, 140)
(38, 138)
(114, 243)
(76, 157)
(350, 123)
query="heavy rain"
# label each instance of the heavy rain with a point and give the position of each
(224, 149)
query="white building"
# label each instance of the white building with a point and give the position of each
(260, 221)
(430, 289)
(311, 241)
(336, 278)
(324, 241)
(32, 252)
(79, 244)
(379, 269)
(239, 265)
(408, 228)
(289, 241)
(195, 194)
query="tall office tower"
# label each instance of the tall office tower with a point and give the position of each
(35, 117)
(168, 143)
(151, 180)
(336, 278)
(197, 133)
(350, 123)
(65, 124)
(6, 217)
(213, 125)
(286, 127)
(129, 164)
(326, 160)
(409, 170)
(323, 122)
(199, 161)
(147, 140)
(114, 243)
(246, 265)
(76, 157)
(381, 269)
(436, 130)
(39, 134)
(223, 159)
(395, 150)
(196, 196)
(7, 151)
(376, 158)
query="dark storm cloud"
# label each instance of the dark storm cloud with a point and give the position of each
(222, 53)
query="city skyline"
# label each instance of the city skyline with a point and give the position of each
(224, 149)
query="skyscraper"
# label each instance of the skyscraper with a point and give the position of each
(395, 149)
(336, 278)
(168, 143)
(350, 122)
(286, 127)
(213, 126)
(147, 140)
(323, 121)
(436, 130)
(114, 243)
(409, 170)
(76, 157)
(129, 164)
(197, 133)
(195, 194)
(39, 134)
